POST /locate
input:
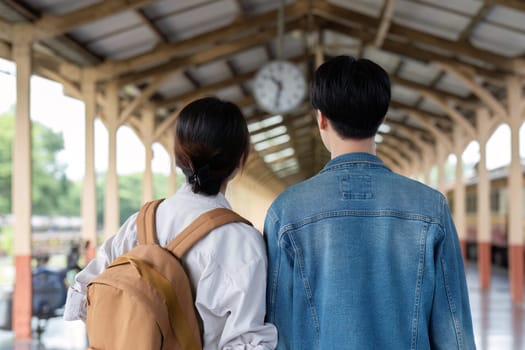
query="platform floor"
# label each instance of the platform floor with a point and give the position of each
(499, 324)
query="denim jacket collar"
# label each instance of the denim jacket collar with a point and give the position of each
(350, 159)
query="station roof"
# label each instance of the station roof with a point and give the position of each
(446, 59)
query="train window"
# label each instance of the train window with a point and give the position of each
(472, 203)
(495, 201)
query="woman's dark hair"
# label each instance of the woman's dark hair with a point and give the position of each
(353, 94)
(211, 141)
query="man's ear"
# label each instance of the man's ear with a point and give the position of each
(322, 120)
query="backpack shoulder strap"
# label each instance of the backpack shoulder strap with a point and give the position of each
(146, 222)
(200, 228)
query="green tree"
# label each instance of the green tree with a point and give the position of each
(6, 155)
(130, 193)
(52, 192)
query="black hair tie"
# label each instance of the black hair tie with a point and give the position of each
(200, 176)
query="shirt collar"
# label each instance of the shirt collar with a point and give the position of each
(218, 200)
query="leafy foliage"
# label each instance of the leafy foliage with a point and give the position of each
(52, 192)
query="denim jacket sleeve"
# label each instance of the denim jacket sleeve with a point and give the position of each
(280, 282)
(450, 324)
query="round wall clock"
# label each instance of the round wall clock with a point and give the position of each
(279, 87)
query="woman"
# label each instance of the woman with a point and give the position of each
(227, 268)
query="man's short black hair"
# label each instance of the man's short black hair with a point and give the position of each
(353, 94)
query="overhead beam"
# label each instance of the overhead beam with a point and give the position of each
(52, 25)
(331, 12)
(219, 51)
(496, 107)
(386, 20)
(113, 69)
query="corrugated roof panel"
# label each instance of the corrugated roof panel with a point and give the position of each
(388, 61)
(106, 27)
(467, 7)
(59, 7)
(256, 7)
(431, 107)
(418, 72)
(211, 73)
(164, 8)
(250, 60)
(199, 20)
(231, 93)
(451, 84)
(368, 7)
(500, 40)
(507, 17)
(125, 44)
(404, 95)
(175, 86)
(339, 44)
(430, 20)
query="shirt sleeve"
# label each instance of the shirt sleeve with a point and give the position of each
(232, 305)
(123, 241)
(451, 321)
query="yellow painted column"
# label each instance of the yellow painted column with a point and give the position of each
(148, 125)
(460, 210)
(441, 160)
(515, 227)
(21, 193)
(484, 233)
(172, 178)
(89, 204)
(111, 199)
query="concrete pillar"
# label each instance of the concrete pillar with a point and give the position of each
(515, 227)
(21, 193)
(111, 199)
(484, 226)
(484, 234)
(441, 160)
(460, 211)
(148, 125)
(172, 177)
(89, 202)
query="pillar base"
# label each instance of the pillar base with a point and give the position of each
(22, 298)
(516, 272)
(463, 246)
(484, 264)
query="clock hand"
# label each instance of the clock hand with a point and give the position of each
(279, 90)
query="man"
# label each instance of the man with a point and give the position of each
(361, 257)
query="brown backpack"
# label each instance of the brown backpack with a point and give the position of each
(143, 300)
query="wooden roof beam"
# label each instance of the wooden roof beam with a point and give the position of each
(386, 19)
(452, 113)
(332, 12)
(50, 25)
(112, 69)
(497, 108)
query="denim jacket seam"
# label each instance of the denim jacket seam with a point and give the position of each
(349, 164)
(275, 282)
(366, 213)
(450, 297)
(419, 286)
(452, 305)
(307, 288)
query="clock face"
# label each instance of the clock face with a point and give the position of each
(279, 87)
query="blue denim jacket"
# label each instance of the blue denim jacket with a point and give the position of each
(363, 258)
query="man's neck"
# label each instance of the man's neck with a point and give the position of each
(345, 146)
